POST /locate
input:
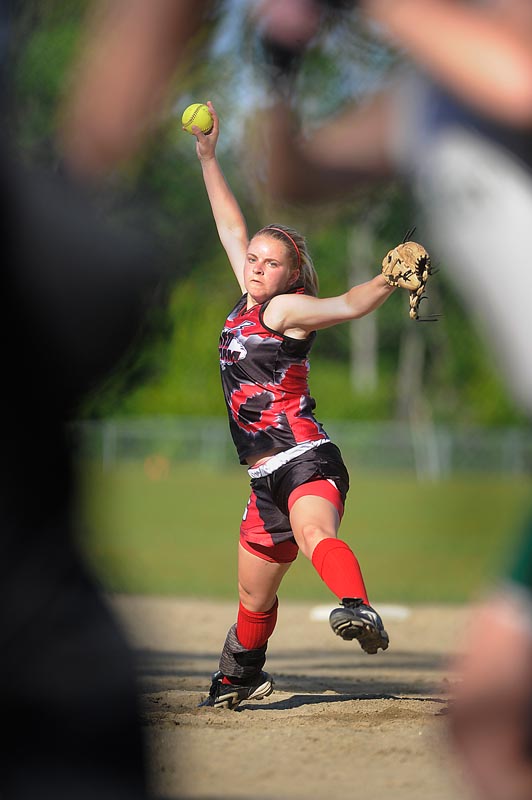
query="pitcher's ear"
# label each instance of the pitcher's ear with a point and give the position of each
(294, 277)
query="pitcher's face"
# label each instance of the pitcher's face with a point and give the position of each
(267, 270)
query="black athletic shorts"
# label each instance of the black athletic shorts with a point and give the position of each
(266, 524)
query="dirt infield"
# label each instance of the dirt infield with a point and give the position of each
(339, 724)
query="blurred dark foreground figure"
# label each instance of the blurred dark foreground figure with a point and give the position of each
(75, 294)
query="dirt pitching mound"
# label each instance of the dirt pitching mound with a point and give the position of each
(339, 724)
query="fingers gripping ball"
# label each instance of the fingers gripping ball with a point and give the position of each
(197, 114)
(408, 267)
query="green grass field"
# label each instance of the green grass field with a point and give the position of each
(417, 542)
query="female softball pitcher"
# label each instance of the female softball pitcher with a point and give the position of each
(298, 479)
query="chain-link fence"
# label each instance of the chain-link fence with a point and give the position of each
(431, 452)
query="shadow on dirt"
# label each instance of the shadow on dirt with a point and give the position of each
(306, 675)
(298, 701)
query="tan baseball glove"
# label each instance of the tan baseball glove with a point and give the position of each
(408, 266)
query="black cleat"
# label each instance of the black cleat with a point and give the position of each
(229, 695)
(355, 620)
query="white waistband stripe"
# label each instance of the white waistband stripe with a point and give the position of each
(280, 459)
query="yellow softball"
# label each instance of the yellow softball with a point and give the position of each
(197, 114)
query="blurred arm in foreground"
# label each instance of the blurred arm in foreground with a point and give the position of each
(465, 153)
(482, 55)
(129, 57)
(491, 713)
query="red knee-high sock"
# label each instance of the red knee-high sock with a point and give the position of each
(254, 628)
(338, 567)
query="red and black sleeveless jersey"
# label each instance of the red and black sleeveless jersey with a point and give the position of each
(265, 383)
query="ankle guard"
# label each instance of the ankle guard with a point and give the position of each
(238, 662)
